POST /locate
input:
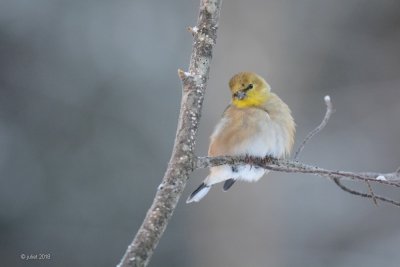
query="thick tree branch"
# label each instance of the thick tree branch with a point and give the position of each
(182, 159)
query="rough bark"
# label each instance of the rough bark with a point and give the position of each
(182, 159)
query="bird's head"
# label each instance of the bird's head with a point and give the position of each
(248, 90)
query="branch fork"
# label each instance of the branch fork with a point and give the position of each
(183, 161)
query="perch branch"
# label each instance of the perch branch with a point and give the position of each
(181, 162)
(390, 179)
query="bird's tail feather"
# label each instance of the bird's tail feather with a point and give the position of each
(199, 193)
(228, 184)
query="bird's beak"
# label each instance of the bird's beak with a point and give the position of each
(240, 95)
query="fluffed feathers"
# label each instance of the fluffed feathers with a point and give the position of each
(257, 123)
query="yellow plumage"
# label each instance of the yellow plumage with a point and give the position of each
(256, 123)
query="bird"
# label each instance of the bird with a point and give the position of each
(256, 123)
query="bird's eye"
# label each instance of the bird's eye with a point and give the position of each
(250, 86)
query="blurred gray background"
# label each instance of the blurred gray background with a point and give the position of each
(89, 99)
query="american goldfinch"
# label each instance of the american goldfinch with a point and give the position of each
(256, 123)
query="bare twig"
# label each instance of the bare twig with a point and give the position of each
(357, 193)
(371, 192)
(391, 179)
(182, 159)
(283, 165)
(329, 111)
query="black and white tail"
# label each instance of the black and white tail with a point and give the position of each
(199, 193)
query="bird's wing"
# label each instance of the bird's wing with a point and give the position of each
(236, 127)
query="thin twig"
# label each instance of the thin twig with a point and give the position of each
(324, 122)
(371, 192)
(391, 179)
(357, 193)
(291, 166)
(329, 111)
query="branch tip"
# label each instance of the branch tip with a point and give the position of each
(193, 30)
(321, 126)
(327, 99)
(183, 74)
